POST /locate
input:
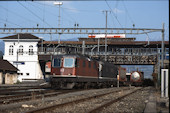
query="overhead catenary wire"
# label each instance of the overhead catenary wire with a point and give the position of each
(113, 14)
(43, 9)
(133, 23)
(70, 19)
(7, 13)
(16, 14)
(43, 13)
(34, 14)
(82, 10)
(49, 12)
(9, 22)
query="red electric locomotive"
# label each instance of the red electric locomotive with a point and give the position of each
(68, 71)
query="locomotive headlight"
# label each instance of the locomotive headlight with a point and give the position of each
(69, 74)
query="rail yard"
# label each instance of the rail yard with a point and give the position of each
(80, 65)
(44, 99)
(75, 81)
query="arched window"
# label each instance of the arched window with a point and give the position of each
(21, 50)
(11, 50)
(31, 50)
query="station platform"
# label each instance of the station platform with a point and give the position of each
(156, 104)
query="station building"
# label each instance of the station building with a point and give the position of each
(21, 51)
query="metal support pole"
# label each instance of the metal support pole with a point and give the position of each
(106, 11)
(158, 68)
(162, 46)
(83, 47)
(42, 45)
(59, 38)
(18, 38)
(59, 18)
(17, 58)
(58, 3)
(17, 51)
(92, 50)
(98, 46)
(59, 25)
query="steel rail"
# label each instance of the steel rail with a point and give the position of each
(97, 109)
(27, 96)
(49, 108)
(31, 96)
(11, 91)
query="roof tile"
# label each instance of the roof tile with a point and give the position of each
(7, 66)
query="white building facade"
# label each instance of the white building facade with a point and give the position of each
(21, 51)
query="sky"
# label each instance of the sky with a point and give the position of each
(122, 14)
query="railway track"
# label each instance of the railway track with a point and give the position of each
(18, 90)
(25, 96)
(97, 98)
(97, 109)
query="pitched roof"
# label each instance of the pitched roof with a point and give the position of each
(21, 36)
(7, 66)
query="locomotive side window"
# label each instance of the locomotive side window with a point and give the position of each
(84, 63)
(56, 62)
(69, 62)
(89, 64)
(94, 65)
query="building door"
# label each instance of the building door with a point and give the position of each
(3, 78)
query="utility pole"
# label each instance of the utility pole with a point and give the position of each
(59, 4)
(106, 12)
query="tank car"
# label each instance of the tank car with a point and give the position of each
(137, 78)
(68, 71)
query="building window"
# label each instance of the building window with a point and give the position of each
(31, 50)
(20, 73)
(21, 50)
(11, 50)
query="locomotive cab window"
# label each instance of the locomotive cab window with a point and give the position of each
(69, 62)
(56, 62)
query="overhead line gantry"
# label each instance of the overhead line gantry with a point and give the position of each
(78, 30)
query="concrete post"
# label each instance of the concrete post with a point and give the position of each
(164, 82)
